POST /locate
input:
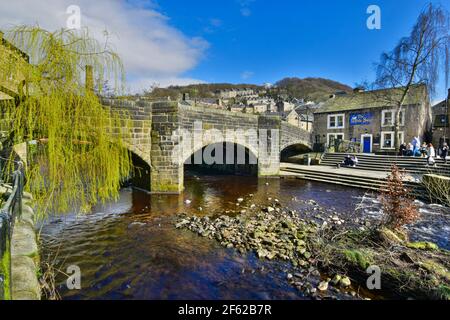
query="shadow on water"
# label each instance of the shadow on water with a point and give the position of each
(130, 249)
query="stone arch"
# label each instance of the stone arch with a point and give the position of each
(188, 153)
(293, 148)
(250, 165)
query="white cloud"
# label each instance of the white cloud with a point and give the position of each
(247, 75)
(149, 46)
(141, 84)
(245, 7)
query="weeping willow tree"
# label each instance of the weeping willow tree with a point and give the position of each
(81, 156)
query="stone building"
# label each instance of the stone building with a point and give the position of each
(299, 119)
(368, 117)
(441, 127)
(11, 79)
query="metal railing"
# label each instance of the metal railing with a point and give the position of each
(9, 211)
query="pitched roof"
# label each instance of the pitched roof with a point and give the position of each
(373, 99)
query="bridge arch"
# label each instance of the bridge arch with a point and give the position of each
(157, 132)
(293, 148)
(233, 158)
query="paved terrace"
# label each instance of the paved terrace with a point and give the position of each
(354, 172)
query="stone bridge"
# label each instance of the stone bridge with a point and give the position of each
(166, 134)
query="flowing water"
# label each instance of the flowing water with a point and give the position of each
(130, 249)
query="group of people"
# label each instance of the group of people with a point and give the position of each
(415, 149)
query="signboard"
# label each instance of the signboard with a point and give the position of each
(360, 118)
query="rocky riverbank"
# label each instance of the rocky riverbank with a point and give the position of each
(274, 233)
(326, 256)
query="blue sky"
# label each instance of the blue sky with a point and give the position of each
(265, 40)
(178, 42)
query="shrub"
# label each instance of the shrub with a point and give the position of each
(398, 204)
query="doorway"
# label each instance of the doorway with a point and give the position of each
(366, 141)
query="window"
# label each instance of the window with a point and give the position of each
(388, 118)
(333, 137)
(336, 121)
(388, 141)
(441, 120)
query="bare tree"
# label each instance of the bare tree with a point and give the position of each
(417, 59)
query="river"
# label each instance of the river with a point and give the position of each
(130, 249)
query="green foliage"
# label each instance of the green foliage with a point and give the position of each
(358, 257)
(422, 245)
(80, 158)
(5, 265)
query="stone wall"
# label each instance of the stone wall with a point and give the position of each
(24, 253)
(290, 135)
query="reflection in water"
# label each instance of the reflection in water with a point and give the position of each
(130, 249)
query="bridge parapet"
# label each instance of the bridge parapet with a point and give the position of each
(160, 131)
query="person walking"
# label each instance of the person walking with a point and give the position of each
(431, 154)
(444, 152)
(416, 146)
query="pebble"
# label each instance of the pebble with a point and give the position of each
(323, 286)
(345, 282)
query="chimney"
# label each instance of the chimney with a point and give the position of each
(89, 78)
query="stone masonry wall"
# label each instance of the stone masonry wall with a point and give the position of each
(24, 253)
(159, 136)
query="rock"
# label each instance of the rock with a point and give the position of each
(345, 282)
(182, 223)
(25, 283)
(289, 276)
(188, 202)
(137, 224)
(24, 241)
(270, 209)
(336, 279)
(239, 200)
(323, 286)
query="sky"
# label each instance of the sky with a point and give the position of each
(173, 42)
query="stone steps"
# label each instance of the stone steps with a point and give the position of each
(345, 179)
(383, 163)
